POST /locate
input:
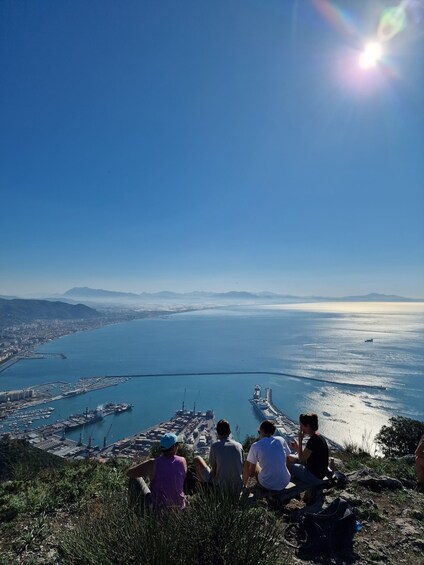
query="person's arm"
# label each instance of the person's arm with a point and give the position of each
(145, 469)
(212, 461)
(303, 454)
(251, 469)
(419, 452)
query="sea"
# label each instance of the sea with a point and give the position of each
(316, 358)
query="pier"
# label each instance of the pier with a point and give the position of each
(274, 373)
(51, 437)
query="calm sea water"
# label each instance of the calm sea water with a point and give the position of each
(322, 341)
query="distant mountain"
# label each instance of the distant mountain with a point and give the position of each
(99, 295)
(19, 310)
(92, 293)
(85, 293)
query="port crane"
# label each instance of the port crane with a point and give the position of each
(106, 436)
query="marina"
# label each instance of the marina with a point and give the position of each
(12, 402)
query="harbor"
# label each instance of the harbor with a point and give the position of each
(14, 401)
(52, 438)
(194, 428)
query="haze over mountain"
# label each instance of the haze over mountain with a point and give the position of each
(98, 295)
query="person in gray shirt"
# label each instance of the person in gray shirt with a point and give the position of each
(225, 459)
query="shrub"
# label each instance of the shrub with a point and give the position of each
(20, 460)
(213, 530)
(400, 437)
(50, 489)
(248, 440)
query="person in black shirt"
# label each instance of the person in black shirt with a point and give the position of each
(311, 464)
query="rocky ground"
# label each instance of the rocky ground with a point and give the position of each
(392, 520)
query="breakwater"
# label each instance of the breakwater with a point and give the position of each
(223, 373)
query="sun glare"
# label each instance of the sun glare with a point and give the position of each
(370, 55)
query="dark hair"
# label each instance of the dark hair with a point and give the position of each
(223, 428)
(309, 420)
(267, 427)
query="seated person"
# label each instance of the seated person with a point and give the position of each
(267, 459)
(226, 461)
(166, 473)
(311, 464)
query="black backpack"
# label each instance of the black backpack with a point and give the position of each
(331, 529)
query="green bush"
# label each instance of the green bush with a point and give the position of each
(248, 440)
(20, 460)
(73, 483)
(400, 437)
(213, 530)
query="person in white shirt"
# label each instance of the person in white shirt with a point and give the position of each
(267, 460)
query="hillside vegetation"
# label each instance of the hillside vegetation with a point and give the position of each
(18, 310)
(52, 511)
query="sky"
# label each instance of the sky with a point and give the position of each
(216, 145)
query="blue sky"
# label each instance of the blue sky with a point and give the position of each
(216, 145)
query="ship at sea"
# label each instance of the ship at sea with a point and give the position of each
(266, 410)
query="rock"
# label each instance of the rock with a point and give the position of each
(407, 529)
(377, 551)
(418, 543)
(409, 458)
(408, 483)
(377, 484)
(412, 513)
(352, 498)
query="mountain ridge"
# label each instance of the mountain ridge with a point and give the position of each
(21, 310)
(91, 293)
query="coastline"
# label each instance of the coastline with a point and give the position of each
(69, 327)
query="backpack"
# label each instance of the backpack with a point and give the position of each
(331, 529)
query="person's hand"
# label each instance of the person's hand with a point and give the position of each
(301, 435)
(294, 445)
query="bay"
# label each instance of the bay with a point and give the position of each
(313, 341)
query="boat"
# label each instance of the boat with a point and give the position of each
(266, 410)
(73, 392)
(122, 408)
(370, 340)
(285, 426)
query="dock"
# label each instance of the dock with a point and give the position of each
(51, 437)
(196, 429)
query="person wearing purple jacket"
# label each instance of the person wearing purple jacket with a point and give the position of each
(166, 473)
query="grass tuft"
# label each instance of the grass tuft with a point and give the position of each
(213, 530)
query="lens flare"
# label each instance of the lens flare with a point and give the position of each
(370, 55)
(393, 21)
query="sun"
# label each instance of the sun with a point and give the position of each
(370, 56)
